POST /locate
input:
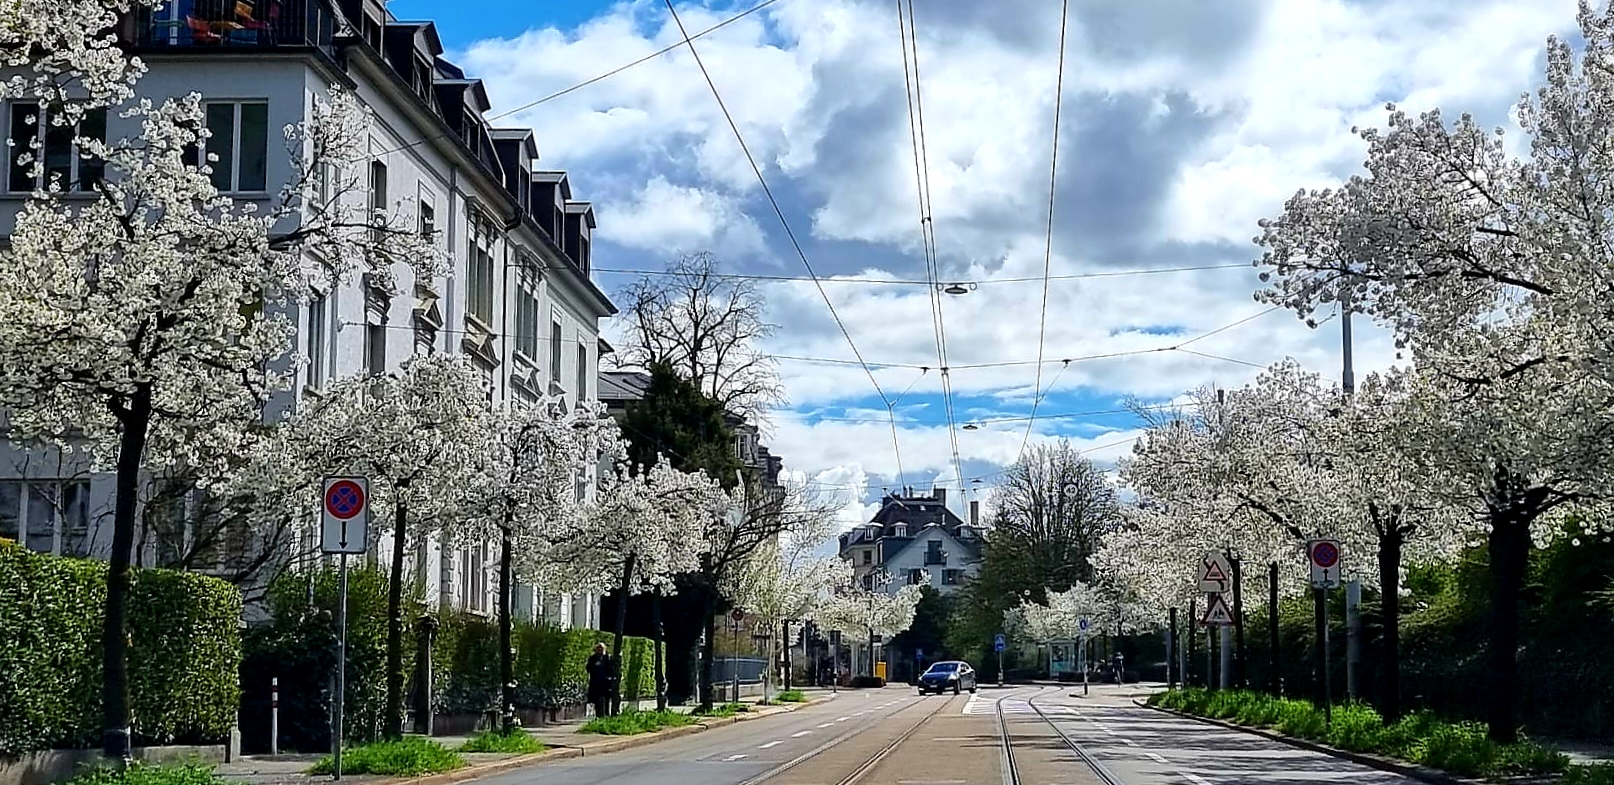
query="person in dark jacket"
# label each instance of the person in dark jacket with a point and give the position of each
(601, 678)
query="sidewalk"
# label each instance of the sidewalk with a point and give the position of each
(563, 741)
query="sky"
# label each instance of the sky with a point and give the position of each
(1182, 124)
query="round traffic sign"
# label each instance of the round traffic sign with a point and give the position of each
(1324, 554)
(1082, 624)
(344, 499)
(737, 614)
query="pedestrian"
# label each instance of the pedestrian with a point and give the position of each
(600, 678)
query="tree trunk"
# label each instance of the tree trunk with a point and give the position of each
(1390, 542)
(621, 626)
(1275, 683)
(507, 652)
(656, 639)
(135, 420)
(709, 648)
(1510, 555)
(392, 721)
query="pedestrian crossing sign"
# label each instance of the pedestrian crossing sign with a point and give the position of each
(1217, 614)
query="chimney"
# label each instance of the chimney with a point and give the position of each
(975, 512)
(939, 494)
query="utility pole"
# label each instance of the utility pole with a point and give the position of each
(1348, 377)
(1353, 638)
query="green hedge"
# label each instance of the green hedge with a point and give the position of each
(184, 654)
(298, 646)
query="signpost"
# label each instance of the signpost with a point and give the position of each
(735, 617)
(1217, 614)
(998, 645)
(1215, 579)
(1324, 557)
(1215, 573)
(1081, 656)
(344, 530)
(834, 661)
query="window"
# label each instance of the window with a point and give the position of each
(47, 516)
(34, 138)
(239, 144)
(868, 582)
(934, 553)
(917, 577)
(554, 351)
(375, 349)
(428, 220)
(582, 370)
(479, 295)
(952, 577)
(314, 350)
(486, 371)
(868, 557)
(527, 323)
(474, 577)
(378, 201)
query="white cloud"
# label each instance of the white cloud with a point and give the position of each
(662, 217)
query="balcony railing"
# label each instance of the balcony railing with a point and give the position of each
(234, 24)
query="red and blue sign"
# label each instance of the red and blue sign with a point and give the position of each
(1324, 554)
(344, 499)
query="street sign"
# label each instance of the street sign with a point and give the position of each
(918, 654)
(1324, 556)
(738, 615)
(1215, 572)
(998, 642)
(1081, 624)
(834, 637)
(345, 522)
(1217, 614)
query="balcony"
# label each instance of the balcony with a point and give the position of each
(233, 25)
(935, 557)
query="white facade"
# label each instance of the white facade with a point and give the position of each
(519, 301)
(914, 540)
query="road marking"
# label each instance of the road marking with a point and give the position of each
(770, 744)
(799, 734)
(956, 738)
(824, 724)
(734, 757)
(842, 719)
(1154, 757)
(1129, 742)
(1194, 778)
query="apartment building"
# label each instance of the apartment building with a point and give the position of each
(520, 302)
(915, 540)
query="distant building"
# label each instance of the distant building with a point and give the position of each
(916, 541)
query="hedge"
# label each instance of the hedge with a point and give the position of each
(299, 647)
(184, 654)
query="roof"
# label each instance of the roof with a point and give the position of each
(623, 385)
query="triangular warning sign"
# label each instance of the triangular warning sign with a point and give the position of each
(1213, 572)
(1216, 612)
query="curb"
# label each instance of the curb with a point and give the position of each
(1412, 770)
(471, 773)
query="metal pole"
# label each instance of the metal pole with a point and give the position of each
(1000, 667)
(734, 663)
(341, 671)
(1188, 651)
(274, 715)
(1210, 657)
(1348, 378)
(1227, 657)
(1275, 680)
(1171, 651)
(1320, 596)
(1240, 654)
(1086, 663)
(1353, 639)
(786, 641)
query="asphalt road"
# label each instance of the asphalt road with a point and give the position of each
(895, 737)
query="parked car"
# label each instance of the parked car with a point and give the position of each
(951, 675)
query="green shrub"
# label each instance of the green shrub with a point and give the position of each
(139, 773)
(791, 696)
(1460, 748)
(1595, 774)
(184, 652)
(408, 757)
(725, 710)
(516, 742)
(629, 723)
(1356, 728)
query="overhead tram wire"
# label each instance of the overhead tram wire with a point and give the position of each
(1048, 247)
(595, 79)
(908, 33)
(780, 213)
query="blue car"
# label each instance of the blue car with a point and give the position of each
(950, 675)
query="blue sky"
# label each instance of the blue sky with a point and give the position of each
(1182, 124)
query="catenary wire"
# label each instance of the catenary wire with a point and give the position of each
(915, 282)
(778, 211)
(1048, 243)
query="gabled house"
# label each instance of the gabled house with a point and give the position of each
(915, 540)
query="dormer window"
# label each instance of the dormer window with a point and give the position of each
(899, 530)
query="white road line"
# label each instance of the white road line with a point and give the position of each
(1129, 742)
(1154, 757)
(1194, 778)
(770, 744)
(842, 719)
(799, 734)
(734, 757)
(824, 724)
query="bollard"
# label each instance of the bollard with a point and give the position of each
(274, 715)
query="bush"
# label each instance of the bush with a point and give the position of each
(516, 742)
(409, 757)
(630, 723)
(139, 773)
(725, 710)
(1461, 748)
(1595, 774)
(791, 696)
(184, 652)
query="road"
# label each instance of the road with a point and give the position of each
(892, 736)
